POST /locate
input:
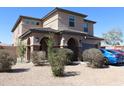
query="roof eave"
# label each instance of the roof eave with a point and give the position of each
(73, 32)
(90, 21)
(20, 18)
(37, 31)
(96, 38)
(25, 34)
(17, 22)
(64, 10)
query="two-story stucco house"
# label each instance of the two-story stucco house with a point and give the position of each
(70, 29)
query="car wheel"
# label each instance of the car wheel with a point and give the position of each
(106, 61)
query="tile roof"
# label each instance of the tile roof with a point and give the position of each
(69, 31)
(50, 13)
(63, 10)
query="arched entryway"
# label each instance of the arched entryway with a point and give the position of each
(28, 49)
(73, 45)
(43, 45)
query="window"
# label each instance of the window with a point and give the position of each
(33, 23)
(27, 22)
(37, 23)
(85, 26)
(72, 21)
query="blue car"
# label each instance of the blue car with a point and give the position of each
(112, 57)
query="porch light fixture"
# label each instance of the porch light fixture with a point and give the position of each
(80, 41)
(85, 37)
(36, 39)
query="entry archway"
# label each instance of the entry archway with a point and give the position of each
(43, 45)
(73, 45)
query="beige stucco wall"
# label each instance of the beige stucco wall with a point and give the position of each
(58, 21)
(25, 26)
(63, 22)
(91, 29)
(40, 36)
(79, 39)
(17, 33)
(90, 41)
(32, 40)
(51, 22)
(66, 37)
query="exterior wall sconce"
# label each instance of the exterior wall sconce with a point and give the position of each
(85, 37)
(37, 39)
(80, 41)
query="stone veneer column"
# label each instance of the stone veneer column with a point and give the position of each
(36, 47)
(62, 42)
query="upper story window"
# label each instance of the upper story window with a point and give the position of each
(32, 22)
(27, 22)
(72, 21)
(85, 27)
(37, 23)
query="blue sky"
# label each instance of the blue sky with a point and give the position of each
(106, 18)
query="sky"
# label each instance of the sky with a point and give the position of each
(106, 18)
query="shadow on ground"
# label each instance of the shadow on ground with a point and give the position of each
(73, 64)
(18, 70)
(117, 65)
(39, 65)
(71, 73)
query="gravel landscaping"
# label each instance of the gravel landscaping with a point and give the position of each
(27, 74)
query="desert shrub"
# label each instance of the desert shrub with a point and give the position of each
(56, 58)
(94, 57)
(85, 56)
(57, 63)
(6, 61)
(68, 54)
(38, 58)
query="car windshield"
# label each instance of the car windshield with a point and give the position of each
(112, 51)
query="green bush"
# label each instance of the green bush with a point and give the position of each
(85, 56)
(57, 63)
(94, 57)
(38, 58)
(56, 58)
(68, 54)
(6, 61)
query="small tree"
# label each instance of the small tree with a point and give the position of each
(113, 37)
(56, 58)
(50, 44)
(21, 48)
